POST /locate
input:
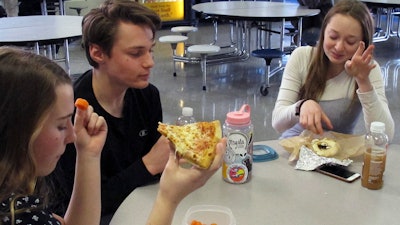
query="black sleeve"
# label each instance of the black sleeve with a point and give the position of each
(115, 189)
(145, 109)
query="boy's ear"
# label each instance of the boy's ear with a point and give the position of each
(96, 53)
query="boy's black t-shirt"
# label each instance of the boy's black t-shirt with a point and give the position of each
(128, 140)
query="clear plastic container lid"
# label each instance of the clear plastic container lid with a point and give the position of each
(377, 127)
(207, 214)
(239, 117)
(187, 111)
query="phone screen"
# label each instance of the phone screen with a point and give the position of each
(339, 172)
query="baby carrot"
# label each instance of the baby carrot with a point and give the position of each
(195, 222)
(81, 104)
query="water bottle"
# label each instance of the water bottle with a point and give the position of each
(186, 117)
(238, 159)
(376, 143)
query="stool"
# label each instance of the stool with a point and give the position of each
(78, 9)
(395, 64)
(397, 14)
(292, 32)
(267, 54)
(184, 30)
(204, 50)
(173, 40)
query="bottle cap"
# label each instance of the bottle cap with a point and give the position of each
(239, 117)
(187, 111)
(377, 127)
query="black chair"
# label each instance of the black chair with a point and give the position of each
(268, 55)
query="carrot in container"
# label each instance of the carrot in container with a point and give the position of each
(196, 222)
(81, 104)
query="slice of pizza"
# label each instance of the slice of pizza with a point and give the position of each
(194, 142)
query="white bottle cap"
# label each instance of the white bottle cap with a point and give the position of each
(187, 111)
(377, 127)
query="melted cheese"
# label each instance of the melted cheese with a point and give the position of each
(194, 142)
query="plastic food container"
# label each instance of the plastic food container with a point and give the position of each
(208, 214)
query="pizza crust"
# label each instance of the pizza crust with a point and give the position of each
(194, 142)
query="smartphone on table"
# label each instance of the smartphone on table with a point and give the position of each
(338, 172)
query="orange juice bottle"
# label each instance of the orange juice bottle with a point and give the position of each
(376, 143)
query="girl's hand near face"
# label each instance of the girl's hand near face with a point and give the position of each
(360, 66)
(90, 130)
(312, 116)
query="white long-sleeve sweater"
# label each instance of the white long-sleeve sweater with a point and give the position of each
(335, 100)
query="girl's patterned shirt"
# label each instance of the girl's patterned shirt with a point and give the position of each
(28, 210)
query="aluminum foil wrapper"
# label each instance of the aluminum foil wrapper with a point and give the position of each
(309, 160)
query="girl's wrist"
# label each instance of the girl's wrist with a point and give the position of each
(298, 106)
(364, 86)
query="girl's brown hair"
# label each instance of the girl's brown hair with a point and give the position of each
(27, 92)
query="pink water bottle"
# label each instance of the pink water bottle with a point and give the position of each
(238, 160)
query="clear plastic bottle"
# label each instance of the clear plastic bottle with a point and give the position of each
(186, 117)
(238, 159)
(376, 143)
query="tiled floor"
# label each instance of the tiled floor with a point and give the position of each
(231, 85)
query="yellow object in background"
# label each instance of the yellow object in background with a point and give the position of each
(180, 49)
(168, 10)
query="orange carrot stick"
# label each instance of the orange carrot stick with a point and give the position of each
(81, 104)
(195, 222)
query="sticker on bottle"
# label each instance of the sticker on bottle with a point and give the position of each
(237, 160)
